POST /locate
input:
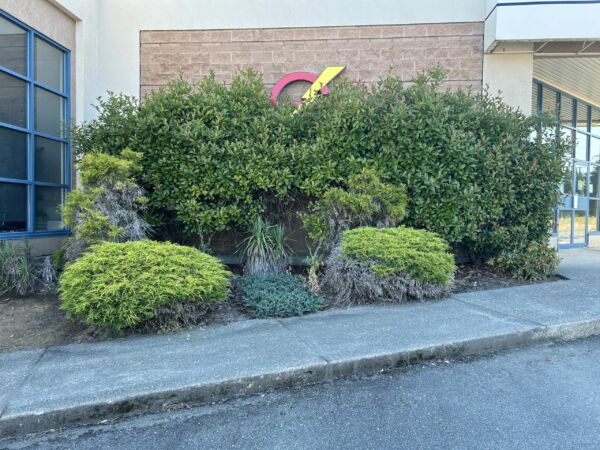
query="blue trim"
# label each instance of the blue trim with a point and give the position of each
(51, 137)
(541, 2)
(32, 84)
(18, 75)
(36, 234)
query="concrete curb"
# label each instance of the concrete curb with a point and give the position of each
(326, 371)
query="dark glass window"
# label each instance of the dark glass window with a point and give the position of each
(47, 208)
(13, 207)
(34, 155)
(49, 160)
(49, 112)
(49, 65)
(13, 154)
(13, 46)
(13, 100)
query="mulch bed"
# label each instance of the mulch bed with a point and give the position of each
(470, 278)
(37, 321)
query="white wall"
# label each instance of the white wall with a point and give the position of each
(543, 21)
(511, 74)
(109, 29)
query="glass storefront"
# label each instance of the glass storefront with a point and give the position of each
(578, 216)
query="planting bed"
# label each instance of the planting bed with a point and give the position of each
(37, 321)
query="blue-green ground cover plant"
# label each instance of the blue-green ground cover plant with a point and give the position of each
(277, 296)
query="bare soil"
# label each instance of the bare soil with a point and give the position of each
(470, 278)
(37, 321)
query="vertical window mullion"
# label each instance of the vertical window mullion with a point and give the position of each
(67, 115)
(30, 137)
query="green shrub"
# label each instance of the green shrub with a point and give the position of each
(422, 254)
(108, 205)
(113, 129)
(215, 156)
(366, 201)
(388, 265)
(535, 262)
(277, 296)
(120, 285)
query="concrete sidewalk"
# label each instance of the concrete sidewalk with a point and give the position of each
(54, 387)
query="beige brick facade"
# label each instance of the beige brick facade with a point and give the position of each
(368, 52)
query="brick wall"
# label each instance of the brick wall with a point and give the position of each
(368, 52)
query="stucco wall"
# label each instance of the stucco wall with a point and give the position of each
(368, 52)
(46, 18)
(511, 74)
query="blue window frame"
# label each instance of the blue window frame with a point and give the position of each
(35, 152)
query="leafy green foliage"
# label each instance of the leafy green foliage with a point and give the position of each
(388, 265)
(534, 262)
(478, 173)
(366, 201)
(113, 129)
(120, 285)
(277, 296)
(422, 254)
(108, 205)
(265, 250)
(104, 170)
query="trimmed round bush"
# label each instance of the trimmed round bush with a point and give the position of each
(120, 285)
(277, 296)
(388, 265)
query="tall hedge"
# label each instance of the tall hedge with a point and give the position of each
(480, 174)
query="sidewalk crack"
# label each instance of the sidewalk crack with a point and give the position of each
(498, 313)
(307, 343)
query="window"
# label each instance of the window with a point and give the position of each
(34, 152)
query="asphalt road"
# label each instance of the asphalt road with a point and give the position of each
(542, 397)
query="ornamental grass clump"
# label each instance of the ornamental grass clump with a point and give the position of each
(22, 272)
(388, 265)
(123, 285)
(265, 249)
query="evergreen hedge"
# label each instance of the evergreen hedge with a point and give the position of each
(478, 173)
